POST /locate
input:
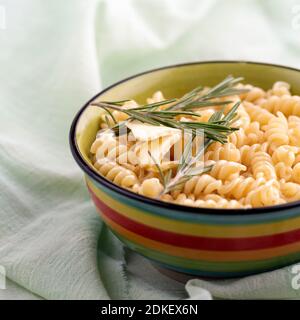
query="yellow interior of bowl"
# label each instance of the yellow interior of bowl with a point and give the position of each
(176, 81)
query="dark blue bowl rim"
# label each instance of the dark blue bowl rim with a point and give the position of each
(158, 203)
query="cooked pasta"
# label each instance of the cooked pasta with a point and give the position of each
(156, 97)
(150, 187)
(204, 184)
(226, 170)
(258, 114)
(296, 173)
(265, 195)
(204, 115)
(240, 187)
(254, 94)
(285, 154)
(107, 146)
(277, 132)
(116, 173)
(262, 166)
(227, 151)
(244, 118)
(280, 88)
(247, 152)
(238, 138)
(254, 134)
(259, 165)
(290, 191)
(118, 116)
(294, 130)
(288, 105)
(283, 171)
(283, 159)
(209, 201)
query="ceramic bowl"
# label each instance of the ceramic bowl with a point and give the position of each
(220, 243)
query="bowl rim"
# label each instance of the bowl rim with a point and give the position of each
(159, 203)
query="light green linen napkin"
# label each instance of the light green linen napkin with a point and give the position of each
(54, 56)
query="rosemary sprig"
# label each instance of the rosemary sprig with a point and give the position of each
(150, 114)
(195, 98)
(187, 167)
(216, 129)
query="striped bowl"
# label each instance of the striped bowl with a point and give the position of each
(220, 243)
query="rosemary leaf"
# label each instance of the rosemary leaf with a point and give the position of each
(117, 103)
(155, 104)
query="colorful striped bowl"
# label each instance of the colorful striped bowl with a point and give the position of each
(198, 241)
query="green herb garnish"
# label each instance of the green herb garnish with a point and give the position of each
(216, 129)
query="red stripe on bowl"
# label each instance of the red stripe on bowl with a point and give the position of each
(198, 242)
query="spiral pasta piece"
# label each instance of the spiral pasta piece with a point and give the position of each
(151, 188)
(107, 146)
(265, 195)
(280, 88)
(238, 188)
(244, 119)
(290, 190)
(203, 184)
(294, 130)
(283, 171)
(258, 114)
(226, 170)
(284, 157)
(288, 105)
(285, 154)
(238, 138)
(254, 134)
(296, 173)
(116, 173)
(262, 166)
(277, 132)
(293, 122)
(227, 151)
(253, 95)
(247, 152)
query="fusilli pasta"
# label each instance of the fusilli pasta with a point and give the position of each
(259, 165)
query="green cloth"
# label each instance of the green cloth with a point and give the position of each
(54, 56)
